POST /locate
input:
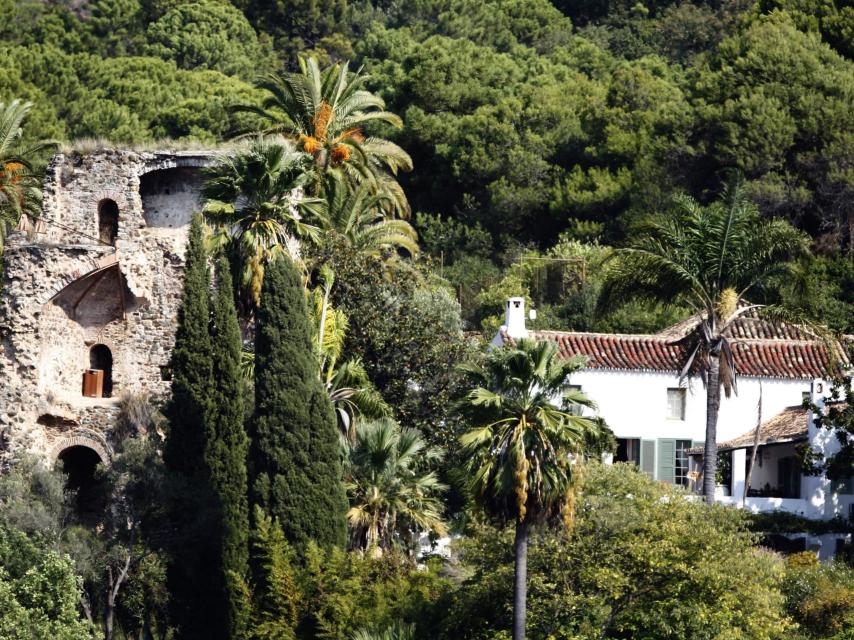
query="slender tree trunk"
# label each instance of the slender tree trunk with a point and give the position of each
(713, 405)
(755, 447)
(520, 583)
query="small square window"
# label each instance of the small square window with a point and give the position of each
(676, 404)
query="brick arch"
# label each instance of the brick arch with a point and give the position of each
(109, 194)
(95, 265)
(93, 206)
(81, 439)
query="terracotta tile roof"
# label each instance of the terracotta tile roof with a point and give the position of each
(790, 425)
(749, 326)
(792, 359)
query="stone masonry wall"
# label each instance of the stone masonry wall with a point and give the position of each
(64, 292)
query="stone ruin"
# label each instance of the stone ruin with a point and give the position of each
(94, 284)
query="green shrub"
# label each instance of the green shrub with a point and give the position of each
(643, 561)
(820, 597)
(39, 593)
(332, 593)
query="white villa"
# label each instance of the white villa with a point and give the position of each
(660, 424)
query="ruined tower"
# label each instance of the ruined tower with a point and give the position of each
(89, 296)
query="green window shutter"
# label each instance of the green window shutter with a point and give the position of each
(647, 457)
(667, 461)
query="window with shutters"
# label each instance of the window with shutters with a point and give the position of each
(682, 447)
(676, 404)
(667, 460)
(628, 450)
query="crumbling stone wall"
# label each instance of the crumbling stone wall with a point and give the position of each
(168, 195)
(64, 291)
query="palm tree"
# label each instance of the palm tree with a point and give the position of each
(393, 497)
(353, 396)
(352, 393)
(255, 200)
(19, 185)
(519, 451)
(326, 113)
(708, 258)
(357, 215)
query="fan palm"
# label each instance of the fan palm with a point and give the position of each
(708, 258)
(255, 201)
(19, 185)
(393, 497)
(356, 214)
(326, 113)
(519, 450)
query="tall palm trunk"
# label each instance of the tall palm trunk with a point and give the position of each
(713, 405)
(520, 583)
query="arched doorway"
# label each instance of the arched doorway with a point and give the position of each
(80, 464)
(108, 221)
(100, 357)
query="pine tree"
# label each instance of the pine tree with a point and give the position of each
(193, 580)
(294, 461)
(226, 450)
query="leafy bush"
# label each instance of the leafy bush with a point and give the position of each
(407, 331)
(643, 561)
(820, 597)
(39, 592)
(331, 593)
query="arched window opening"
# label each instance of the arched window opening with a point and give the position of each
(108, 221)
(98, 380)
(80, 464)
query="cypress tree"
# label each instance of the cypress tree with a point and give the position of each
(192, 363)
(226, 450)
(191, 574)
(294, 460)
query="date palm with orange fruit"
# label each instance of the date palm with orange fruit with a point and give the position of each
(328, 114)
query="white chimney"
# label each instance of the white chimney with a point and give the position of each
(515, 318)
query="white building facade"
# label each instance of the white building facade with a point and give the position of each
(660, 425)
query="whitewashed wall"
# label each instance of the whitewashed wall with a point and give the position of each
(634, 404)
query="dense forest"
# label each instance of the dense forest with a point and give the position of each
(540, 132)
(339, 454)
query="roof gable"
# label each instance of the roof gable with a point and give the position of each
(790, 425)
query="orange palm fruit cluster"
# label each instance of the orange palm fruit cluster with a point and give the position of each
(340, 153)
(321, 120)
(14, 169)
(309, 144)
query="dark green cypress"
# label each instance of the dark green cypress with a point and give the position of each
(227, 448)
(192, 363)
(192, 576)
(294, 461)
